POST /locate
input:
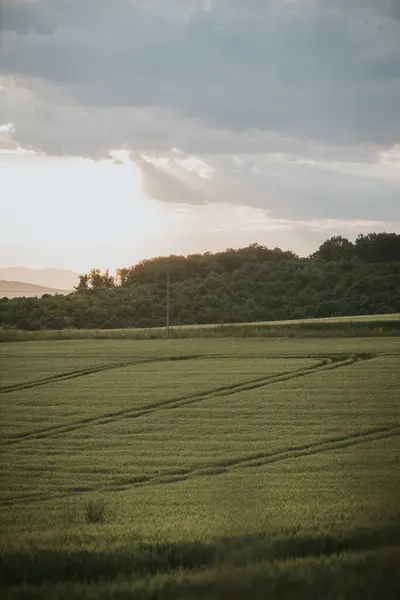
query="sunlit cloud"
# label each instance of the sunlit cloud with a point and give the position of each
(392, 155)
(196, 165)
(128, 206)
(121, 157)
(7, 142)
(7, 128)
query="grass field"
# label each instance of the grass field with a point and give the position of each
(200, 468)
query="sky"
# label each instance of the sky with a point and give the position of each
(137, 128)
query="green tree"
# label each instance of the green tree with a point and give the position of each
(83, 285)
(334, 249)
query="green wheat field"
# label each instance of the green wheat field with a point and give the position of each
(200, 468)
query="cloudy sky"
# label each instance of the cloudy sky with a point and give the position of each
(133, 128)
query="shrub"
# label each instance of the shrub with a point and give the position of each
(95, 510)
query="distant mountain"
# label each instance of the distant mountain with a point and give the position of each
(59, 279)
(20, 289)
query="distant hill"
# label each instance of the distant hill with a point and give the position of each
(20, 289)
(58, 279)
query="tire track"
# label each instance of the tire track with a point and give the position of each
(137, 362)
(89, 371)
(173, 403)
(129, 413)
(261, 459)
(223, 466)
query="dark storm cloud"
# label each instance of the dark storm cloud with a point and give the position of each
(325, 70)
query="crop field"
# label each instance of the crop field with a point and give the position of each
(200, 468)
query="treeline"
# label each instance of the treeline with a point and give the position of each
(251, 284)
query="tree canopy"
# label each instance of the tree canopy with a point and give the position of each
(250, 284)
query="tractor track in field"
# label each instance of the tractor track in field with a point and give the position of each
(221, 467)
(92, 370)
(217, 467)
(324, 364)
(271, 457)
(172, 403)
(65, 376)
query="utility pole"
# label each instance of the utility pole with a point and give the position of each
(168, 304)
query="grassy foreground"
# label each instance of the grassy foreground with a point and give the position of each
(360, 326)
(200, 468)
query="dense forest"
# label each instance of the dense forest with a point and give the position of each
(251, 284)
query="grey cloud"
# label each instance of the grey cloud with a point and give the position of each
(296, 191)
(311, 70)
(165, 187)
(45, 118)
(285, 188)
(274, 178)
(303, 191)
(45, 16)
(388, 7)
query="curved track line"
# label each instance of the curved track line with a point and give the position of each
(223, 466)
(261, 459)
(6, 389)
(89, 371)
(173, 403)
(324, 365)
(130, 413)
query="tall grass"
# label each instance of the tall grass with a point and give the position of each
(150, 558)
(350, 576)
(95, 510)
